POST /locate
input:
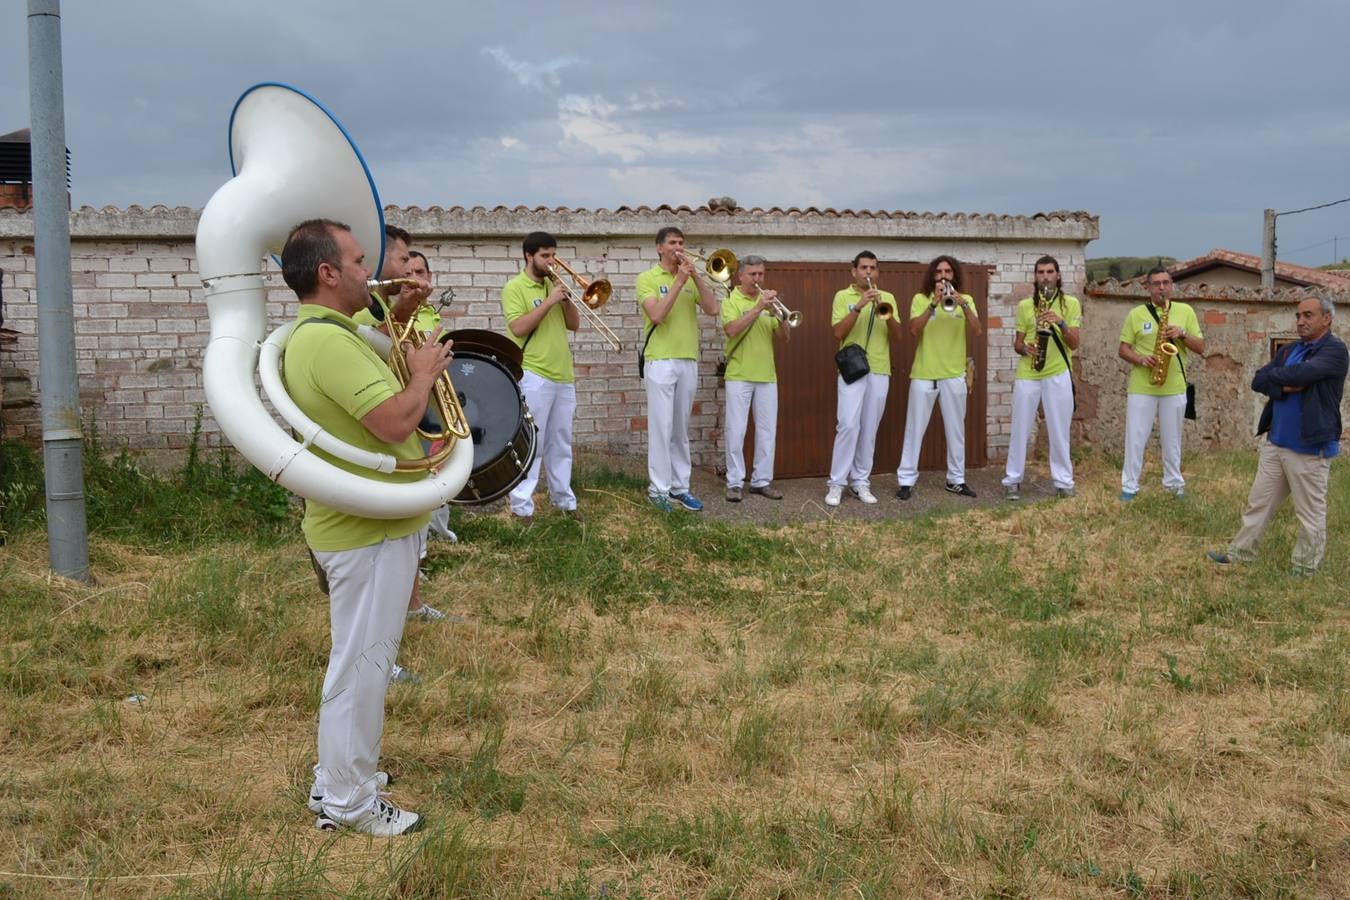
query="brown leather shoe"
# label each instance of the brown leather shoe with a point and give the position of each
(768, 491)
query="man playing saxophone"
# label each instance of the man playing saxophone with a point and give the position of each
(1157, 386)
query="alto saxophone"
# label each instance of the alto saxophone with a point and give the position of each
(1040, 304)
(1163, 351)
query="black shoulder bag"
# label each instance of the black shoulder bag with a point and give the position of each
(1190, 388)
(852, 358)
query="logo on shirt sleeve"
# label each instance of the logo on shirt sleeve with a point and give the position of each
(665, 289)
(1148, 328)
(538, 302)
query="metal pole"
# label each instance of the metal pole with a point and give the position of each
(62, 440)
(1268, 252)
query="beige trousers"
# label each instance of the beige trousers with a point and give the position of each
(1283, 473)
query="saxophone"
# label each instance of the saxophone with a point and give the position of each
(1040, 304)
(1163, 351)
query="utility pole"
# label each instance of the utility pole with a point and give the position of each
(62, 440)
(1268, 252)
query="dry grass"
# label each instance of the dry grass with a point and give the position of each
(1053, 700)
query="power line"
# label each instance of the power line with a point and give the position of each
(1311, 208)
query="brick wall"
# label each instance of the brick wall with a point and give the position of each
(141, 325)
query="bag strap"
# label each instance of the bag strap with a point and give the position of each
(1054, 333)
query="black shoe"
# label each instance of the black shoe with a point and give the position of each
(906, 491)
(962, 489)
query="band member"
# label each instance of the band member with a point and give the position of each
(670, 294)
(1302, 427)
(420, 268)
(538, 318)
(750, 323)
(858, 406)
(1046, 338)
(1139, 339)
(370, 564)
(941, 317)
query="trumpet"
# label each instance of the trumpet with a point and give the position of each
(720, 265)
(792, 317)
(594, 294)
(374, 285)
(949, 295)
(884, 310)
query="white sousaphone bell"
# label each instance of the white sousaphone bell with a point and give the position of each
(292, 161)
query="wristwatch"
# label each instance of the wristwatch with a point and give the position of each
(932, 307)
(852, 308)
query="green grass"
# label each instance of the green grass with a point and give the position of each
(1064, 702)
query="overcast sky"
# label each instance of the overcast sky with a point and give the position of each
(1176, 122)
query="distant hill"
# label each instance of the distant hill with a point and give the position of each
(1123, 267)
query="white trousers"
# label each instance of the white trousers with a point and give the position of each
(923, 393)
(1055, 396)
(553, 405)
(1140, 411)
(762, 396)
(857, 416)
(368, 592)
(670, 400)
(1283, 473)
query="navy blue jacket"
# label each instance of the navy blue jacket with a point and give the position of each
(1321, 374)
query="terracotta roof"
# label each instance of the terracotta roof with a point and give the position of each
(1196, 291)
(826, 212)
(1304, 275)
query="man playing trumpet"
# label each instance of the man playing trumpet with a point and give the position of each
(751, 321)
(1045, 339)
(538, 317)
(941, 318)
(856, 311)
(670, 294)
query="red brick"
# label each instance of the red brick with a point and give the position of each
(1215, 317)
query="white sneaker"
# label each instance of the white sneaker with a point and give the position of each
(383, 820)
(400, 675)
(425, 613)
(833, 494)
(863, 493)
(315, 804)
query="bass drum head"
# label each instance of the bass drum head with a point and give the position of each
(502, 431)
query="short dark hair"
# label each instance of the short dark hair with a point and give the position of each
(930, 277)
(536, 241)
(1156, 270)
(667, 232)
(310, 245)
(423, 257)
(394, 233)
(865, 254)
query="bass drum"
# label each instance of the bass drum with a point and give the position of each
(503, 431)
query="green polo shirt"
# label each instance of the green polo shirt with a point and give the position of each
(677, 336)
(942, 343)
(336, 379)
(547, 354)
(752, 359)
(1071, 311)
(878, 347)
(1140, 331)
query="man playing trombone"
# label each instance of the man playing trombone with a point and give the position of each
(751, 318)
(539, 315)
(670, 294)
(857, 310)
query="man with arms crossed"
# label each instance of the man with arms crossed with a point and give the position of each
(1047, 322)
(941, 318)
(538, 318)
(670, 295)
(1139, 339)
(859, 405)
(751, 378)
(1302, 427)
(370, 564)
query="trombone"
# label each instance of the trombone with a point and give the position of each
(594, 294)
(720, 265)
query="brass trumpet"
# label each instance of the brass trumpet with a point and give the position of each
(884, 310)
(594, 294)
(792, 317)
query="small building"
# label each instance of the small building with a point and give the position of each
(1219, 269)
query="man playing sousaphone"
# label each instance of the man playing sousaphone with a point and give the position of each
(370, 565)
(751, 324)
(539, 317)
